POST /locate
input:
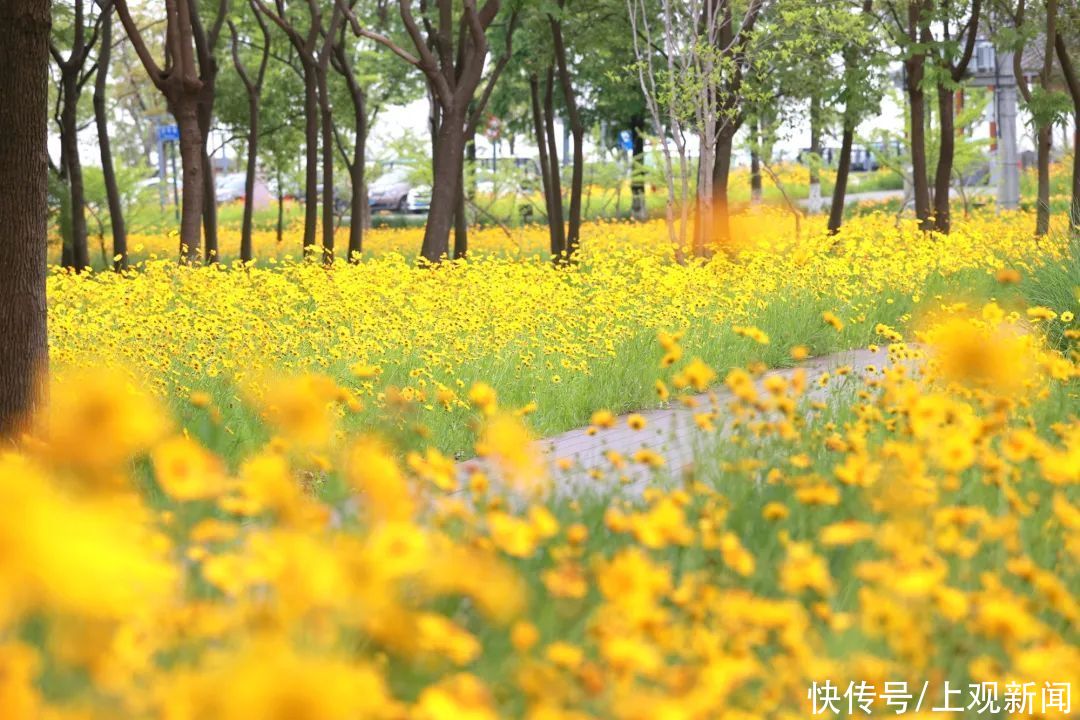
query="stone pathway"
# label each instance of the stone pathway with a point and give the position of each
(671, 432)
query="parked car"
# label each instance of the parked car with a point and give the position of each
(395, 190)
(230, 187)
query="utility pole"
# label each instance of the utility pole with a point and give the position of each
(1008, 196)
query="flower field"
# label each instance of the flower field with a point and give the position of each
(245, 502)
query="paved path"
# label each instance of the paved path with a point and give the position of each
(852, 198)
(671, 431)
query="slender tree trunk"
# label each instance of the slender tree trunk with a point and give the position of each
(327, 118)
(461, 220)
(1074, 208)
(112, 191)
(24, 57)
(191, 159)
(946, 153)
(311, 160)
(814, 204)
(843, 171)
(80, 253)
(209, 220)
(540, 131)
(639, 209)
(447, 164)
(577, 131)
(545, 163)
(1072, 82)
(247, 252)
(755, 164)
(280, 209)
(359, 201)
(555, 204)
(1042, 210)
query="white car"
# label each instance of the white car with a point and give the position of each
(395, 191)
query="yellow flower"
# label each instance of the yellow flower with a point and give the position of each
(831, 319)
(696, 375)
(97, 421)
(483, 397)
(636, 422)
(507, 443)
(802, 569)
(846, 532)
(374, 472)
(603, 419)
(186, 471)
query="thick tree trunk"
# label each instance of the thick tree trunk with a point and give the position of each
(311, 158)
(1042, 210)
(920, 179)
(191, 159)
(843, 171)
(69, 122)
(467, 189)
(946, 152)
(555, 204)
(447, 163)
(24, 57)
(721, 223)
(112, 191)
(639, 210)
(545, 160)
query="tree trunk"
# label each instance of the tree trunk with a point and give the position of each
(246, 250)
(1042, 210)
(69, 122)
(814, 203)
(24, 56)
(468, 180)
(280, 209)
(545, 161)
(191, 160)
(915, 68)
(1074, 211)
(359, 201)
(461, 220)
(327, 118)
(843, 171)
(210, 239)
(577, 131)
(721, 223)
(311, 158)
(946, 152)
(555, 204)
(447, 164)
(112, 191)
(639, 209)
(755, 165)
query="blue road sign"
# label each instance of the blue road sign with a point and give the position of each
(168, 133)
(626, 140)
